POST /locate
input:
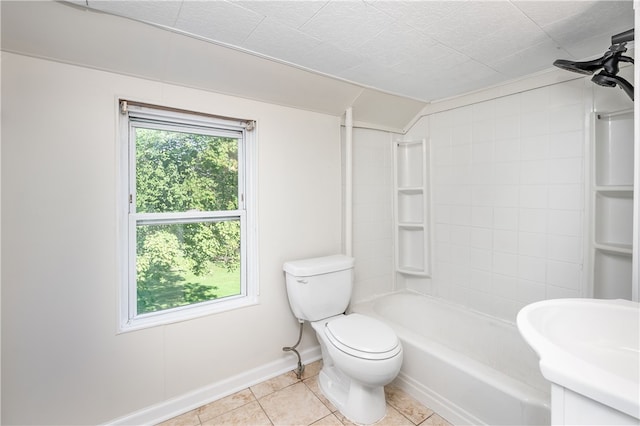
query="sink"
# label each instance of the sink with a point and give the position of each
(589, 346)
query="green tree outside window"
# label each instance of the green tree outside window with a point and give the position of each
(185, 263)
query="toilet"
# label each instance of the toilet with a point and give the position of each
(360, 354)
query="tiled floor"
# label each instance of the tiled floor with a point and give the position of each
(287, 400)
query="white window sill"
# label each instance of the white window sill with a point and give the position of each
(185, 313)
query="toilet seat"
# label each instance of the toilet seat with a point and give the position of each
(362, 337)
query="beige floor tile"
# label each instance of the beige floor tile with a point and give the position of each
(406, 405)
(312, 369)
(187, 419)
(392, 418)
(312, 383)
(435, 420)
(249, 414)
(330, 420)
(294, 405)
(272, 385)
(226, 404)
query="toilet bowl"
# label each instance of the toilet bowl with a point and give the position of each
(360, 355)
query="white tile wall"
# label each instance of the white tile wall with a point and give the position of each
(508, 193)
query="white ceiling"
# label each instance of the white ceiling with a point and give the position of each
(424, 50)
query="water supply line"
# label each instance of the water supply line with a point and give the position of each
(300, 368)
(348, 183)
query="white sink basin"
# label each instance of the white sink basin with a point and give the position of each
(589, 346)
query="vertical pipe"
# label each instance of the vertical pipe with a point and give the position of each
(348, 191)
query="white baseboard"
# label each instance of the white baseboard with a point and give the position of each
(174, 407)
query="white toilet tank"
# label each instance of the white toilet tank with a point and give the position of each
(320, 287)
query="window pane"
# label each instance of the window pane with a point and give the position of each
(183, 264)
(178, 172)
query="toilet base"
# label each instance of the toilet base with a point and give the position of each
(360, 404)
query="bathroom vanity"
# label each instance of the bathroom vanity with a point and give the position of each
(571, 408)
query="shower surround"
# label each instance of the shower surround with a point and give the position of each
(507, 200)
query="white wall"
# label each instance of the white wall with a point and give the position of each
(372, 213)
(62, 361)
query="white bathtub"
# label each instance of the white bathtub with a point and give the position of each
(468, 367)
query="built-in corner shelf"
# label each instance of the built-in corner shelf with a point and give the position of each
(613, 248)
(610, 190)
(411, 197)
(612, 204)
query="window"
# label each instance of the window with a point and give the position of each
(187, 215)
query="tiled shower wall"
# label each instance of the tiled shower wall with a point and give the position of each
(508, 197)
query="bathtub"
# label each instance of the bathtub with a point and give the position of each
(468, 367)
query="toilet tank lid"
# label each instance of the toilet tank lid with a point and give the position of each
(319, 265)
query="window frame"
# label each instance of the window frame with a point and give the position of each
(134, 115)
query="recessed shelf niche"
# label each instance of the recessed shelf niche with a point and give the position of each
(614, 218)
(614, 269)
(612, 205)
(614, 149)
(411, 249)
(410, 162)
(410, 206)
(411, 210)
